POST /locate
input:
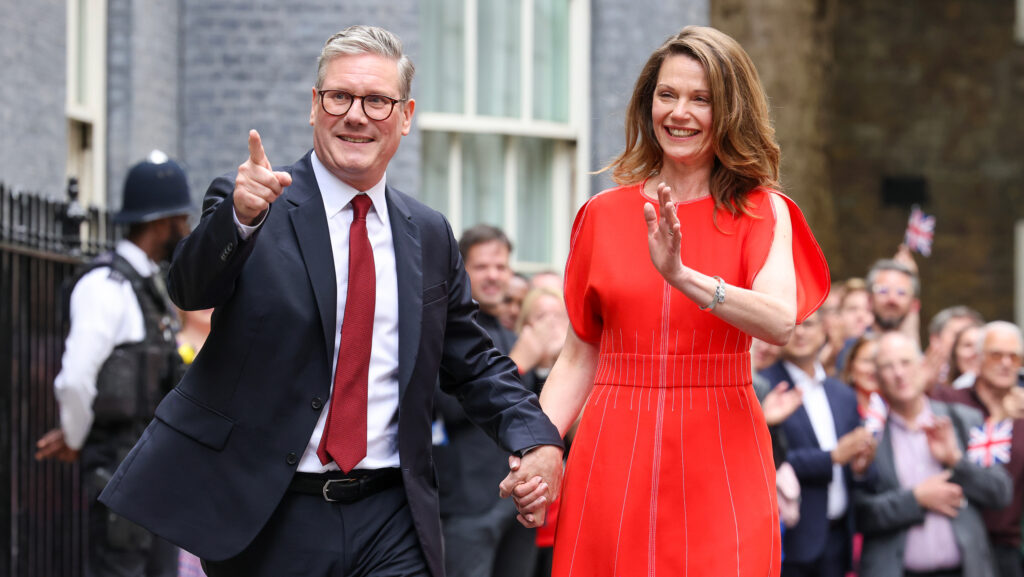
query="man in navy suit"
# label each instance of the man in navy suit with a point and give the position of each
(826, 445)
(299, 442)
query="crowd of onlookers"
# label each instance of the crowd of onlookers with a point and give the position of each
(896, 457)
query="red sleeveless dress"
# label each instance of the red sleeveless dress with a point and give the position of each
(671, 472)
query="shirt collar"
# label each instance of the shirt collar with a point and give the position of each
(925, 417)
(337, 194)
(817, 380)
(136, 257)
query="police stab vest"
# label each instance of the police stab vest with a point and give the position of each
(136, 376)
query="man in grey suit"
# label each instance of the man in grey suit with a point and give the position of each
(921, 516)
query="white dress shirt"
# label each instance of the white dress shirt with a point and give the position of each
(104, 314)
(382, 386)
(820, 413)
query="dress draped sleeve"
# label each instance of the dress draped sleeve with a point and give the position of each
(813, 280)
(581, 299)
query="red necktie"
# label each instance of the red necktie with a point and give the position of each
(344, 438)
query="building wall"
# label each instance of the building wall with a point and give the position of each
(253, 65)
(932, 90)
(33, 128)
(143, 86)
(623, 35)
(790, 42)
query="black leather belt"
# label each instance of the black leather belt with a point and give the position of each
(338, 487)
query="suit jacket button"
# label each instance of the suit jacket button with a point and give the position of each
(317, 403)
(292, 458)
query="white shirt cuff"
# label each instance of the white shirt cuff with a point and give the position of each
(245, 231)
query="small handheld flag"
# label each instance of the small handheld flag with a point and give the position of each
(920, 231)
(990, 443)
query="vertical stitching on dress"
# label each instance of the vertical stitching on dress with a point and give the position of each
(707, 361)
(728, 484)
(764, 475)
(658, 433)
(682, 466)
(625, 493)
(586, 489)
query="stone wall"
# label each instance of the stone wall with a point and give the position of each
(143, 86)
(253, 65)
(33, 127)
(623, 35)
(932, 90)
(873, 90)
(790, 44)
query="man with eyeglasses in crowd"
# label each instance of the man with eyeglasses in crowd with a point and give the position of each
(299, 442)
(893, 294)
(1001, 346)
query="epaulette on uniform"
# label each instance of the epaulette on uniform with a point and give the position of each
(116, 275)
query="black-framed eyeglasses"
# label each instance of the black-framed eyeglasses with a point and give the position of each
(375, 106)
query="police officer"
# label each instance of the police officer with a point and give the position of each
(120, 359)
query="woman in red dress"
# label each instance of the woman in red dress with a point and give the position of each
(668, 278)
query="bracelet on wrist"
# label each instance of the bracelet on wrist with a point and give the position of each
(717, 298)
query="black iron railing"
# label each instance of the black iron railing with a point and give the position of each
(42, 242)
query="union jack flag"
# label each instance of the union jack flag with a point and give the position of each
(990, 443)
(875, 415)
(920, 231)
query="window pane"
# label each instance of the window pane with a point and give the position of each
(483, 179)
(533, 202)
(435, 169)
(551, 60)
(441, 77)
(498, 64)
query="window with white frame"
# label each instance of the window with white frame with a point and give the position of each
(85, 105)
(502, 105)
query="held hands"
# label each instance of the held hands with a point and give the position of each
(664, 237)
(52, 446)
(937, 494)
(257, 184)
(533, 483)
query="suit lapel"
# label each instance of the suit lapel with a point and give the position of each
(884, 459)
(838, 418)
(309, 221)
(409, 263)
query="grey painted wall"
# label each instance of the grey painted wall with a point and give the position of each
(33, 128)
(253, 64)
(143, 86)
(623, 35)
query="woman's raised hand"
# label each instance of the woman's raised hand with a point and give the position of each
(664, 237)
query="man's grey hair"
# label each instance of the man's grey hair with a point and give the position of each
(942, 318)
(1003, 326)
(890, 264)
(362, 39)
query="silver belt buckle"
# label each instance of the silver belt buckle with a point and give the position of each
(327, 485)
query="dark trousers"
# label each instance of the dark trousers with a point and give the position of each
(489, 544)
(1007, 561)
(834, 560)
(310, 537)
(120, 548)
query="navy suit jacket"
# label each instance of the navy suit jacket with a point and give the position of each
(813, 466)
(215, 462)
